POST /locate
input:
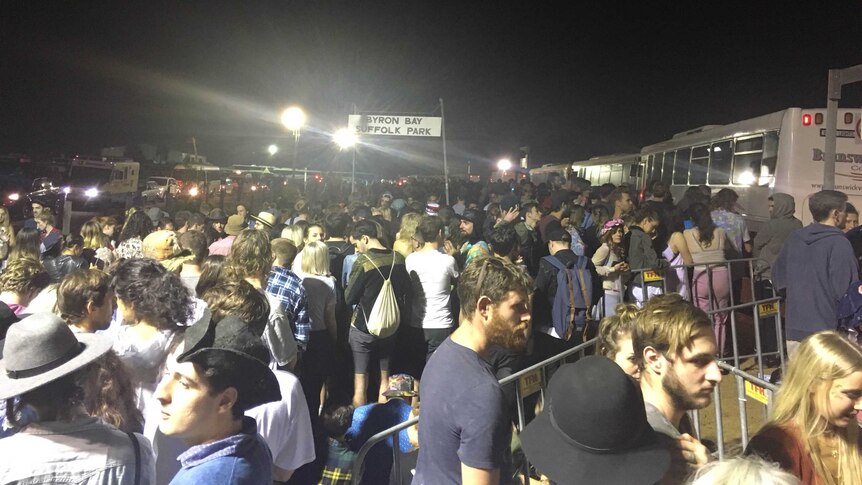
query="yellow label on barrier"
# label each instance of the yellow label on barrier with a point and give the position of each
(768, 309)
(756, 392)
(530, 383)
(652, 276)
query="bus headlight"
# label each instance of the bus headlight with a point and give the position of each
(193, 191)
(91, 192)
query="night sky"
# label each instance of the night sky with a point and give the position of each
(571, 80)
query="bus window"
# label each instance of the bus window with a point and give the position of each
(746, 160)
(680, 172)
(770, 156)
(699, 165)
(617, 174)
(719, 163)
(648, 175)
(667, 172)
(656, 167)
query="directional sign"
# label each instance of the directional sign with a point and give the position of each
(395, 125)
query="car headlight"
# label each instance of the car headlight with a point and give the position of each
(92, 192)
(193, 191)
(67, 190)
(14, 197)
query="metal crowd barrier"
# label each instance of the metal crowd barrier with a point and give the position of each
(527, 382)
(747, 386)
(535, 377)
(762, 308)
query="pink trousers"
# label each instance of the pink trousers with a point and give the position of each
(717, 299)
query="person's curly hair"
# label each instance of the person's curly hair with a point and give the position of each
(250, 255)
(109, 394)
(138, 225)
(616, 327)
(156, 295)
(23, 275)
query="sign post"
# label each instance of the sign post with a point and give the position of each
(445, 161)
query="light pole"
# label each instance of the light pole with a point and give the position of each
(293, 119)
(346, 138)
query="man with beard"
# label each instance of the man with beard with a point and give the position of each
(675, 346)
(464, 425)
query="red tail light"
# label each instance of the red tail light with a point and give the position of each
(806, 120)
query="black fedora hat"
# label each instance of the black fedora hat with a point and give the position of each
(233, 337)
(594, 429)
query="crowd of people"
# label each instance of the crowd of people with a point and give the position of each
(268, 346)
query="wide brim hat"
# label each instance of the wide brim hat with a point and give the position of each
(235, 225)
(216, 215)
(233, 337)
(471, 215)
(41, 349)
(594, 429)
(265, 218)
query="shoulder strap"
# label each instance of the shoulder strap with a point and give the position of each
(571, 327)
(555, 262)
(584, 292)
(137, 447)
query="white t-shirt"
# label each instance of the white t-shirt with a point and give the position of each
(286, 426)
(432, 274)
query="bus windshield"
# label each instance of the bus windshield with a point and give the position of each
(89, 175)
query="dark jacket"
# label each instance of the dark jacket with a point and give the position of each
(641, 254)
(546, 286)
(816, 266)
(366, 281)
(62, 265)
(768, 242)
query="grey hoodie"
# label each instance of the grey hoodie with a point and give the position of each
(768, 242)
(816, 265)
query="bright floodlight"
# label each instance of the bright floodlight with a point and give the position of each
(504, 164)
(272, 149)
(345, 138)
(293, 118)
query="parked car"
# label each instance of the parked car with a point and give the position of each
(167, 185)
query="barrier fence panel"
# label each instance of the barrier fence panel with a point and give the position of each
(527, 382)
(768, 307)
(534, 379)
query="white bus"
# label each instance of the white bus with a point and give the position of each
(778, 152)
(616, 169)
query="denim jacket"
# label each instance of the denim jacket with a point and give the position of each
(85, 451)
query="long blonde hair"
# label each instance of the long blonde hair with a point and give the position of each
(315, 259)
(409, 223)
(295, 234)
(93, 236)
(6, 225)
(803, 396)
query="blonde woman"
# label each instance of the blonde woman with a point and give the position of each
(320, 288)
(7, 233)
(314, 232)
(404, 240)
(295, 234)
(615, 338)
(813, 432)
(97, 249)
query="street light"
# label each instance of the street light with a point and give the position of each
(272, 149)
(346, 138)
(504, 164)
(293, 119)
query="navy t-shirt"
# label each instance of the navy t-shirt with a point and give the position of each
(461, 419)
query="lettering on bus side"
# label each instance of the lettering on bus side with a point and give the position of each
(839, 157)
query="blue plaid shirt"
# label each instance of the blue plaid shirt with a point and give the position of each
(286, 286)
